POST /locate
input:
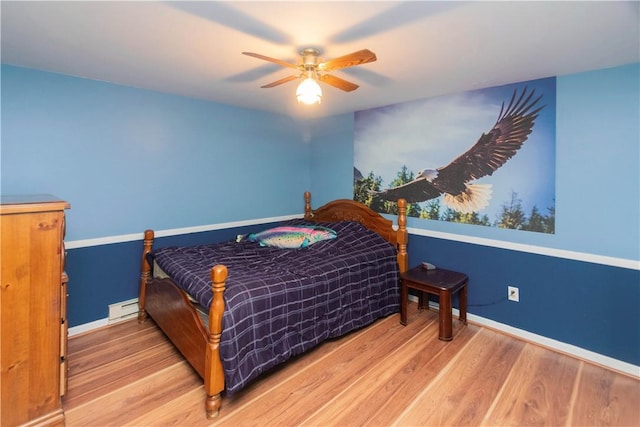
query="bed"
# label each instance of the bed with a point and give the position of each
(192, 292)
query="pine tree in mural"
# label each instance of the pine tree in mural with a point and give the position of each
(512, 215)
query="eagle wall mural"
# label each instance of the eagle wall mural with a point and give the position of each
(429, 153)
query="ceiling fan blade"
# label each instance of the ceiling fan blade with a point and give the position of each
(338, 82)
(267, 58)
(363, 56)
(279, 82)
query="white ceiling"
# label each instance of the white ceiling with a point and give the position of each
(424, 48)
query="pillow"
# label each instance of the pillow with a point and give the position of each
(292, 237)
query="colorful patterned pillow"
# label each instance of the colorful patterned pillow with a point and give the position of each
(292, 237)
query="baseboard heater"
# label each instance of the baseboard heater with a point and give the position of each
(123, 310)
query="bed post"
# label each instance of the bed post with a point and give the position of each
(214, 374)
(307, 205)
(144, 275)
(403, 256)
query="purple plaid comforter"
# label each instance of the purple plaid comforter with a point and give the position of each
(283, 302)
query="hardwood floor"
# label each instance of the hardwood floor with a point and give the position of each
(386, 374)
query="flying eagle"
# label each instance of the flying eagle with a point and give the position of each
(492, 150)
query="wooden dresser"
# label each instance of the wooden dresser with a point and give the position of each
(33, 329)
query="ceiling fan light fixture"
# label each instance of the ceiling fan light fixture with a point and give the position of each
(309, 92)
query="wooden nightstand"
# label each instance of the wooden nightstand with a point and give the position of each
(440, 282)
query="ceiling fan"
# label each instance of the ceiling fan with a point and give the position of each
(312, 70)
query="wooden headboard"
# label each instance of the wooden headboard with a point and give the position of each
(350, 210)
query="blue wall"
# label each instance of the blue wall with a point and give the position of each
(331, 158)
(589, 305)
(114, 152)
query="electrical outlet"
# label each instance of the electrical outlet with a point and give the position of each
(513, 293)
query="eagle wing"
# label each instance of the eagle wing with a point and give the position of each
(415, 191)
(494, 148)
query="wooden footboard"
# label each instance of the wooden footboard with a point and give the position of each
(174, 313)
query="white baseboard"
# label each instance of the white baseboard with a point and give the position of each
(559, 346)
(86, 327)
